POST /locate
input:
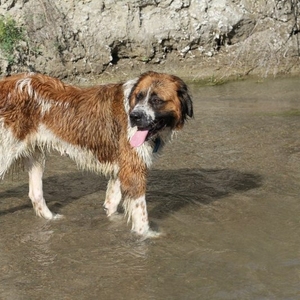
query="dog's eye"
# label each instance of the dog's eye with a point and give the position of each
(139, 96)
(156, 101)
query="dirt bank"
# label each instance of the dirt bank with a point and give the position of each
(195, 39)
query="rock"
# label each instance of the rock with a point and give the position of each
(67, 38)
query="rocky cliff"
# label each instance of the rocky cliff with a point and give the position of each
(195, 37)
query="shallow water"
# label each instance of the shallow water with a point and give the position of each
(225, 194)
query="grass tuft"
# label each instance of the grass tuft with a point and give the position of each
(10, 35)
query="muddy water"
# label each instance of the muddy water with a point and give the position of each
(225, 195)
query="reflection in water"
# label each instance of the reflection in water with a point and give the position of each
(225, 194)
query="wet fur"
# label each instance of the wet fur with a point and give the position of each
(92, 126)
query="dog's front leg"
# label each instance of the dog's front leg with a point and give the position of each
(137, 212)
(35, 165)
(136, 209)
(113, 196)
(133, 185)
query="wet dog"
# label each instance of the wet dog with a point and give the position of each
(113, 129)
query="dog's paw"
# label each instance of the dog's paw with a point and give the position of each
(149, 234)
(116, 217)
(58, 217)
(110, 211)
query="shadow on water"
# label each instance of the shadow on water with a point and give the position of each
(168, 190)
(174, 189)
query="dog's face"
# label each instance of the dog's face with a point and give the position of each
(158, 101)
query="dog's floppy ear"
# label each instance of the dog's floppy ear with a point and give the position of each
(186, 102)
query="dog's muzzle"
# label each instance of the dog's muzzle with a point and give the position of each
(140, 119)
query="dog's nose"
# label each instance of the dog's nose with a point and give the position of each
(135, 117)
(139, 118)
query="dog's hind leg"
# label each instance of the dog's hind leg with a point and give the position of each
(35, 164)
(113, 196)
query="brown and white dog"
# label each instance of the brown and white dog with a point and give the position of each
(113, 129)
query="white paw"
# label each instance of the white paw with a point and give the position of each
(57, 217)
(109, 210)
(149, 234)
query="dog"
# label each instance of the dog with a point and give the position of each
(113, 129)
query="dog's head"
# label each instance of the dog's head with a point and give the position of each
(158, 101)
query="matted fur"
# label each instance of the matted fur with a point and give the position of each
(93, 126)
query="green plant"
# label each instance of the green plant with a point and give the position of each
(10, 35)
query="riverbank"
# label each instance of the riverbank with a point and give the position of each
(208, 70)
(110, 39)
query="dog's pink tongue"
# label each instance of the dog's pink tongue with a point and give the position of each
(138, 138)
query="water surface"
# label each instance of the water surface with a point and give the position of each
(225, 194)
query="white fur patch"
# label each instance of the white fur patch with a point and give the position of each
(84, 158)
(127, 87)
(45, 105)
(145, 107)
(11, 149)
(25, 83)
